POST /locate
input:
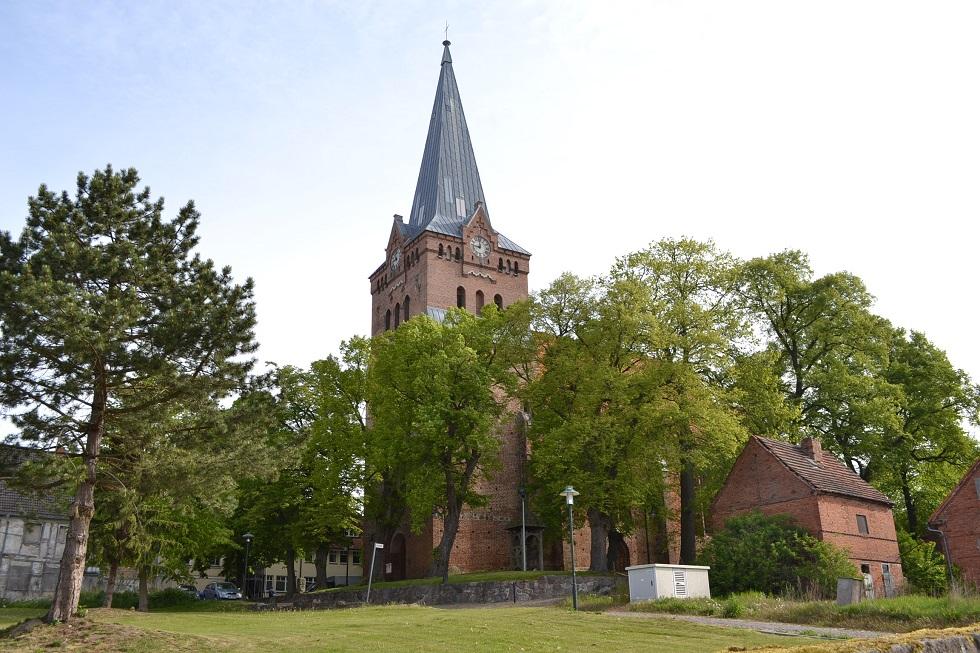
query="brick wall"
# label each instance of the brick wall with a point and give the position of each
(960, 523)
(758, 481)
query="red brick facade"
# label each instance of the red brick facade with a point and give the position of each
(958, 519)
(432, 267)
(761, 480)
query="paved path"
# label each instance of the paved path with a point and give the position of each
(772, 627)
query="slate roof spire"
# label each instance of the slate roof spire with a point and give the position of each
(449, 182)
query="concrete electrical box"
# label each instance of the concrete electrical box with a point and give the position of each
(668, 581)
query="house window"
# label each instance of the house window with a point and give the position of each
(499, 301)
(862, 524)
(356, 557)
(32, 534)
(479, 300)
(309, 583)
(270, 582)
(215, 562)
(333, 557)
(461, 297)
(343, 557)
(280, 583)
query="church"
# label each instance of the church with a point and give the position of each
(448, 253)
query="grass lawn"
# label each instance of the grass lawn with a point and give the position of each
(900, 614)
(384, 628)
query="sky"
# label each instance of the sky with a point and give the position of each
(849, 130)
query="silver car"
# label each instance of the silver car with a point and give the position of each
(221, 591)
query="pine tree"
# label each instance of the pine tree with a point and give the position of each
(104, 298)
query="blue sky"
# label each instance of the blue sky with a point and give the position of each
(847, 129)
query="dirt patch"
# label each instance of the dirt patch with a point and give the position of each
(84, 634)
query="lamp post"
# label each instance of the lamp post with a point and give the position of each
(523, 492)
(248, 541)
(569, 493)
(374, 551)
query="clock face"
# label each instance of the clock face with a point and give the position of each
(396, 259)
(480, 246)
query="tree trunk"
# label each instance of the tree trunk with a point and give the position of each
(110, 584)
(454, 508)
(617, 544)
(64, 603)
(661, 549)
(320, 562)
(290, 571)
(599, 524)
(144, 591)
(911, 514)
(689, 537)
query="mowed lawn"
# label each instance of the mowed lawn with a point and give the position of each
(387, 628)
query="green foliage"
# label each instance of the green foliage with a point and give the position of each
(165, 598)
(112, 324)
(923, 567)
(437, 391)
(772, 555)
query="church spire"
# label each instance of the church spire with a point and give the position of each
(449, 182)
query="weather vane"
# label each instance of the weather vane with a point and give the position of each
(447, 30)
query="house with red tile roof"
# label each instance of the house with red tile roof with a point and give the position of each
(823, 495)
(958, 519)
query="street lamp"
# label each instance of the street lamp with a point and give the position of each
(374, 551)
(248, 541)
(569, 493)
(523, 492)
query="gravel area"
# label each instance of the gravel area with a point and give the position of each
(771, 627)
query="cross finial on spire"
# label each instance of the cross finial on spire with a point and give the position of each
(447, 30)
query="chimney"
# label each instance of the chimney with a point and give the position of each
(811, 447)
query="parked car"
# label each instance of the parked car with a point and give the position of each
(190, 590)
(221, 591)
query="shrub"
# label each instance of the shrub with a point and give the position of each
(755, 552)
(923, 567)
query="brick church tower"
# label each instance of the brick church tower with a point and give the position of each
(449, 254)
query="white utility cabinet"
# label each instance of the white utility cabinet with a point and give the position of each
(668, 581)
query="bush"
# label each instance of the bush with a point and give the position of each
(167, 598)
(755, 552)
(923, 567)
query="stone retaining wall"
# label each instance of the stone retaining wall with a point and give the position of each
(518, 591)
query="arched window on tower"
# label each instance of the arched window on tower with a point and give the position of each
(398, 313)
(461, 297)
(441, 251)
(500, 265)
(457, 254)
(499, 301)
(508, 266)
(387, 319)
(405, 308)
(479, 300)
(515, 268)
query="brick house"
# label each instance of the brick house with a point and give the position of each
(958, 519)
(823, 496)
